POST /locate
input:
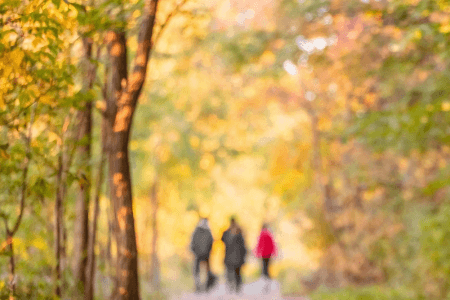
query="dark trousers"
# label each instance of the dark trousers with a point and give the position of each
(265, 267)
(198, 261)
(234, 279)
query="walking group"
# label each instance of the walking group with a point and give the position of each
(235, 254)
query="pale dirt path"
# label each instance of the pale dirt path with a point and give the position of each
(260, 289)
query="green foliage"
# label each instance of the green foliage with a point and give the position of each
(320, 236)
(435, 248)
(242, 48)
(368, 293)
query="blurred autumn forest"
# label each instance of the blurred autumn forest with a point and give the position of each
(122, 122)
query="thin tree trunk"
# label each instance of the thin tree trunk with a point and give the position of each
(315, 143)
(64, 162)
(109, 238)
(58, 218)
(82, 204)
(11, 266)
(90, 274)
(154, 270)
(23, 190)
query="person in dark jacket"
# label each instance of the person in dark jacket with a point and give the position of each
(201, 245)
(235, 252)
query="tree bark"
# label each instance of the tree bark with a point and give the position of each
(90, 271)
(58, 204)
(82, 203)
(117, 76)
(121, 106)
(64, 162)
(11, 266)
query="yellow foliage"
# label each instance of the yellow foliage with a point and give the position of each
(289, 180)
(35, 90)
(194, 141)
(163, 153)
(445, 28)
(134, 145)
(181, 171)
(207, 161)
(267, 58)
(2, 101)
(17, 56)
(280, 160)
(210, 145)
(46, 99)
(39, 243)
(324, 124)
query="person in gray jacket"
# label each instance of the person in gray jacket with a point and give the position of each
(201, 245)
(235, 252)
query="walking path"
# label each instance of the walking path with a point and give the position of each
(260, 289)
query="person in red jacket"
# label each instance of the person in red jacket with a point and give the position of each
(265, 249)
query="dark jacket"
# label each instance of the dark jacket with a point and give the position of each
(201, 242)
(235, 250)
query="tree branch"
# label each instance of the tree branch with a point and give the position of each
(140, 63)
(25, 172)
(166, 22)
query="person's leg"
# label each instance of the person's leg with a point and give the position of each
(229, 280)
(210, 278)
(208, 268)
(266, 275)
(265, 262)
(197, 274)
(238, 278)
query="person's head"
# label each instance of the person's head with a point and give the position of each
(203, 221)
(265, 226)
(234, 227)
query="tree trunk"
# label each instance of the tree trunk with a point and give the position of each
(109, 238)
(82, 204)
(64, 162)
(121, 105)
(315, 143)
(58, 217)
(11, 265)
(23, 191)
(118, 75)
(90, 272)
(154, 270)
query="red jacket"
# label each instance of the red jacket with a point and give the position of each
(266, 247)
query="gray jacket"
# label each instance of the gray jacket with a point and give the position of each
(202, 240)
(235, 250)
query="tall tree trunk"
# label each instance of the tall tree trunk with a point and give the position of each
(64, 162)
(58, 217)
(23, 190)
(82, 203)
(154, 270)
(109, 238)
(90, 272)
(121, 106)
(118, 75)
(11, 265)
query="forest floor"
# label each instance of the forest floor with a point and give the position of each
(260, 289)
